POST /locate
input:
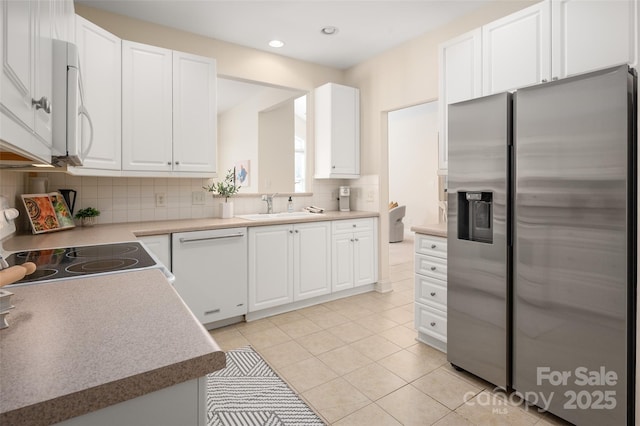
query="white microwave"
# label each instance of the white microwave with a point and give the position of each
(72, 126)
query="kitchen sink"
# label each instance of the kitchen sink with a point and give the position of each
(275, 216)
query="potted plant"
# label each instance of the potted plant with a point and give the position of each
(88, 216)
(225, 188)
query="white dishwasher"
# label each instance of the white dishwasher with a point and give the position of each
(211, 272)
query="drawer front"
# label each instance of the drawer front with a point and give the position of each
(352, 225)
(431, 292)
(431, 321)
(432, 246)
(431, 266)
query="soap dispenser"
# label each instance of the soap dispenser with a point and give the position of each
(290, 205)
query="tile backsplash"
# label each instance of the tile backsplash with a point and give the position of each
(122, 199)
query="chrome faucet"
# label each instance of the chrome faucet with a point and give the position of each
(269, 200)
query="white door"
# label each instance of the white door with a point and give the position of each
(146, 107)
(101, 64)
(270, 266)
(312, 260)
(460, 79)
(342, 262)
(345, 130)
(194, 113)
(589, 35)
(516, 50)
(365, 265)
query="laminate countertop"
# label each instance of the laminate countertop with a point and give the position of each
(76, 346)
(120, 232)
(434, 229)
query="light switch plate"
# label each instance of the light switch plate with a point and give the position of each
(161, 199)
(197, 198)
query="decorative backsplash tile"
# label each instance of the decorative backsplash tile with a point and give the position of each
(134, 199)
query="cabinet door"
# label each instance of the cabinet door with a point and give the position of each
(101, 63)
(516, 50)
(365, 264)
(43, 86)
(160, 246)
(270, 266)
(63, 20)
(194, 113)
(312, 260)
(342, 262)
(337, 130)
(589, 35)
(146, 107)
(460, 80)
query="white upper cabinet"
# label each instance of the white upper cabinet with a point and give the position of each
(589, 35)
(194, 113)
(25, 81)
(168, 110)
(63, 20)
(147, 141)
(460, 79)
(100, 64)
(337, 132)
(516, 50)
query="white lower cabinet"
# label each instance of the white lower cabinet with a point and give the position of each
(288, 263)
(160, 246)
(354, 257)
(431, 290)
(211, 272)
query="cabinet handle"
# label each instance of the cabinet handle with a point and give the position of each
(297, 231)
(354, 225)
(544, 80)
(193, 240)
(168, 163)
(433, 268)
(351, 240)
(433, 246)
(291, 231)
(215, 311)
(554, 78)
(433, 293)
(357, 239)
(43, 103)
(433, 324)
(177, 163)
(333, 167)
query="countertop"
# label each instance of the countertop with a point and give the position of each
(434, 229)
(129, 231)
(77, 346)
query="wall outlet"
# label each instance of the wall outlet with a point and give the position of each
(197, 198)
(370, 196)
(161, 199)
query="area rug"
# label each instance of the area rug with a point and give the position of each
(248, 392)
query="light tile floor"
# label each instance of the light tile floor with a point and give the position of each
(356, 362)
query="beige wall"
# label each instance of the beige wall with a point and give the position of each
(233, 60)
(400, 77)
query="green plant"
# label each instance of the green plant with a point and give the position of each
(88, 212)
(225, 188)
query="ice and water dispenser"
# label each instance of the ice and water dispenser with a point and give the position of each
(475, 216)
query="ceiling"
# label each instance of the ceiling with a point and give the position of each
(365, 27)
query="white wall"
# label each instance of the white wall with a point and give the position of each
(413, 161)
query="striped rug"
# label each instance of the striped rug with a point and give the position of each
(248, 392)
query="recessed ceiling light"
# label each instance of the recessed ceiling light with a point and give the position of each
(329, 30)
(276, 43)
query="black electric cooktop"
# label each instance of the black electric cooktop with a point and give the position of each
(60, 263)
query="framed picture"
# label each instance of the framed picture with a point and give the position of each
(47, 212)
(243, 173)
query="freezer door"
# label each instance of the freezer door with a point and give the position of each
(572, 234)
(477, 278)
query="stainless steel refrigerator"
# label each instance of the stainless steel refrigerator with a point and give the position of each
(542, 244)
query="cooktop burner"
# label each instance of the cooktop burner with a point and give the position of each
(60, 263)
